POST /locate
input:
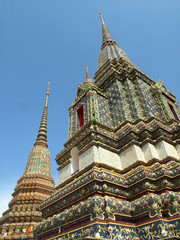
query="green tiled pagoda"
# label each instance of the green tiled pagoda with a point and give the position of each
(119, 171)
(32, 188)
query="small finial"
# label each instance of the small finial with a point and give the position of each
(87, 73)
(101, 18)
(48, 87)
(47, 94)
(161, 81)
(88, 81)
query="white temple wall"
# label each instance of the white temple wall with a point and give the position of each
(149, 152)
(131, 155)
(178, 150)
(166, 150)
(65, 173)
(89, 156)
(99, 154)
(126, 158)
(109, 158)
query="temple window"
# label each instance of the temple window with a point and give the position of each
(80, 117)
(173, 111)
(74, 160)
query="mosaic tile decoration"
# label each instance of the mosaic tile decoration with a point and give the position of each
(157, 229)
(39, 161)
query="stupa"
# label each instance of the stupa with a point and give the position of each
(32, 188)
(119, 171)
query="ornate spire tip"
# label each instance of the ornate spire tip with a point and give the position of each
(48, 87)
(87, 73)
(47, 94)
(42, 133)
(102, 20)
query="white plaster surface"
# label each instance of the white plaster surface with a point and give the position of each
(65, 173)
(149, 152)
(178, 150)
(166, 150)
(109, 158)
(99, 154)
(89, 156)
(131, 155)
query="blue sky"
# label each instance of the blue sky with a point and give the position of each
(45, 39)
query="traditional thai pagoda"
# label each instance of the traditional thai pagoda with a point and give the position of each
(32, 188)
(119, 171)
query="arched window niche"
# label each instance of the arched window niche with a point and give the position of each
(74, 160)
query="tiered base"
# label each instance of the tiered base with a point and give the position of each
(142, 203)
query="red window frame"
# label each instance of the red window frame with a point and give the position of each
(80, 117)
(173, 111)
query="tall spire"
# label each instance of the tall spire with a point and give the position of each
(32, 188)
(106, 36)
(109, 48)
(42, 133)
